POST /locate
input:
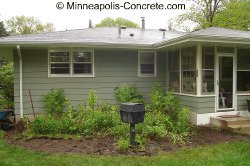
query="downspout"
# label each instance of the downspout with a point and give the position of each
(20, 80)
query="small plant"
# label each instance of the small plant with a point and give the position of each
(55, 102)
(123, 144)
(128, 93)
(92, 99)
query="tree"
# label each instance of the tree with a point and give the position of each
(235, 15)
(6, 86)
(21, 25)
(3, 31)
(201, 12)
(109, 22)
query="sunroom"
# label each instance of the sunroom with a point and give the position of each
(210, 79)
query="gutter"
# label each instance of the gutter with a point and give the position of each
(20, 80)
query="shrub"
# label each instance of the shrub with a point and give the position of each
(128, 93)
(55, 102)
(7, 86)
(165, 102)
(92, 99)
(123, 144)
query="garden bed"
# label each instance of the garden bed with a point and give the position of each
(200, 136)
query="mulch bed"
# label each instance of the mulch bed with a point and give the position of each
(201, 136)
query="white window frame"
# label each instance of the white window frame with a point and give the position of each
(71, 63)
(139, 64)
(244, 70)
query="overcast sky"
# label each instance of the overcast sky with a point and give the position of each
(46, 11)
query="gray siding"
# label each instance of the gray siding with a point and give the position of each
(241, 102)
(112, 68)
(199, 105)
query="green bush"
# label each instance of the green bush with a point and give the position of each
(128, 93)
(105, 120)
(123, 144)
(165, 101)
(55, 102)
(92, 99)
(7, 86)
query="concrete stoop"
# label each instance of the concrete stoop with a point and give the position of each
(233, 123)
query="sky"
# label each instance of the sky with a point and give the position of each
(46, 11)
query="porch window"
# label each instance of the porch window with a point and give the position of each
(147, 64)
(243, 70)
(188, 70)
(174, 71)
(71, 63)
(208, 69)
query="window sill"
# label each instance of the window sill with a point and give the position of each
(147, 75)
(71, 76)
(243, 93)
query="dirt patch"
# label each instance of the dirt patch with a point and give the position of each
(200, 136)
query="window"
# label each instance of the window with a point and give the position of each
(82, 63)
(188, 70)
(147, 64)
(174, 71)
(71, 63)
(243, 70)
(59, 62)
(208, 69)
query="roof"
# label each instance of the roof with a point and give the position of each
(109, 36)
(106, 35)
(222, 32)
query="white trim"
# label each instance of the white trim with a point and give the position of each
(199, 70)
(243, 94)
(71, 63)
(180, 73)
(186, 94)
(20, 80)
(234, 99)
(139, 64)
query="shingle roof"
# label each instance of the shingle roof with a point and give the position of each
(109, 36)
(97, 35)
(222, 32)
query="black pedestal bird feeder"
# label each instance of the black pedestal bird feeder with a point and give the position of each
(132, 113)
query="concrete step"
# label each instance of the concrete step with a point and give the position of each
(225, 122)
(245, 128)
(232, 123)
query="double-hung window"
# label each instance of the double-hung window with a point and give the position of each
(71, 63)
(147, 64)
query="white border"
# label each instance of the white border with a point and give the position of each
(71, 63)
(139, 65)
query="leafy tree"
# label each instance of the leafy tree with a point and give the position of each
(3, 31)
(110, 22)
(7, 86)
(27, 25)
(235, 15)
(201, 12)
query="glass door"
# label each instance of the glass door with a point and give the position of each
(225, 83)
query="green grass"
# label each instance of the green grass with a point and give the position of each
(237, 153)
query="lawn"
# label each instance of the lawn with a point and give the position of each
(237, 153)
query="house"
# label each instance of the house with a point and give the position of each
(209, 70)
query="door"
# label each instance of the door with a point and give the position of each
(225, 83)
